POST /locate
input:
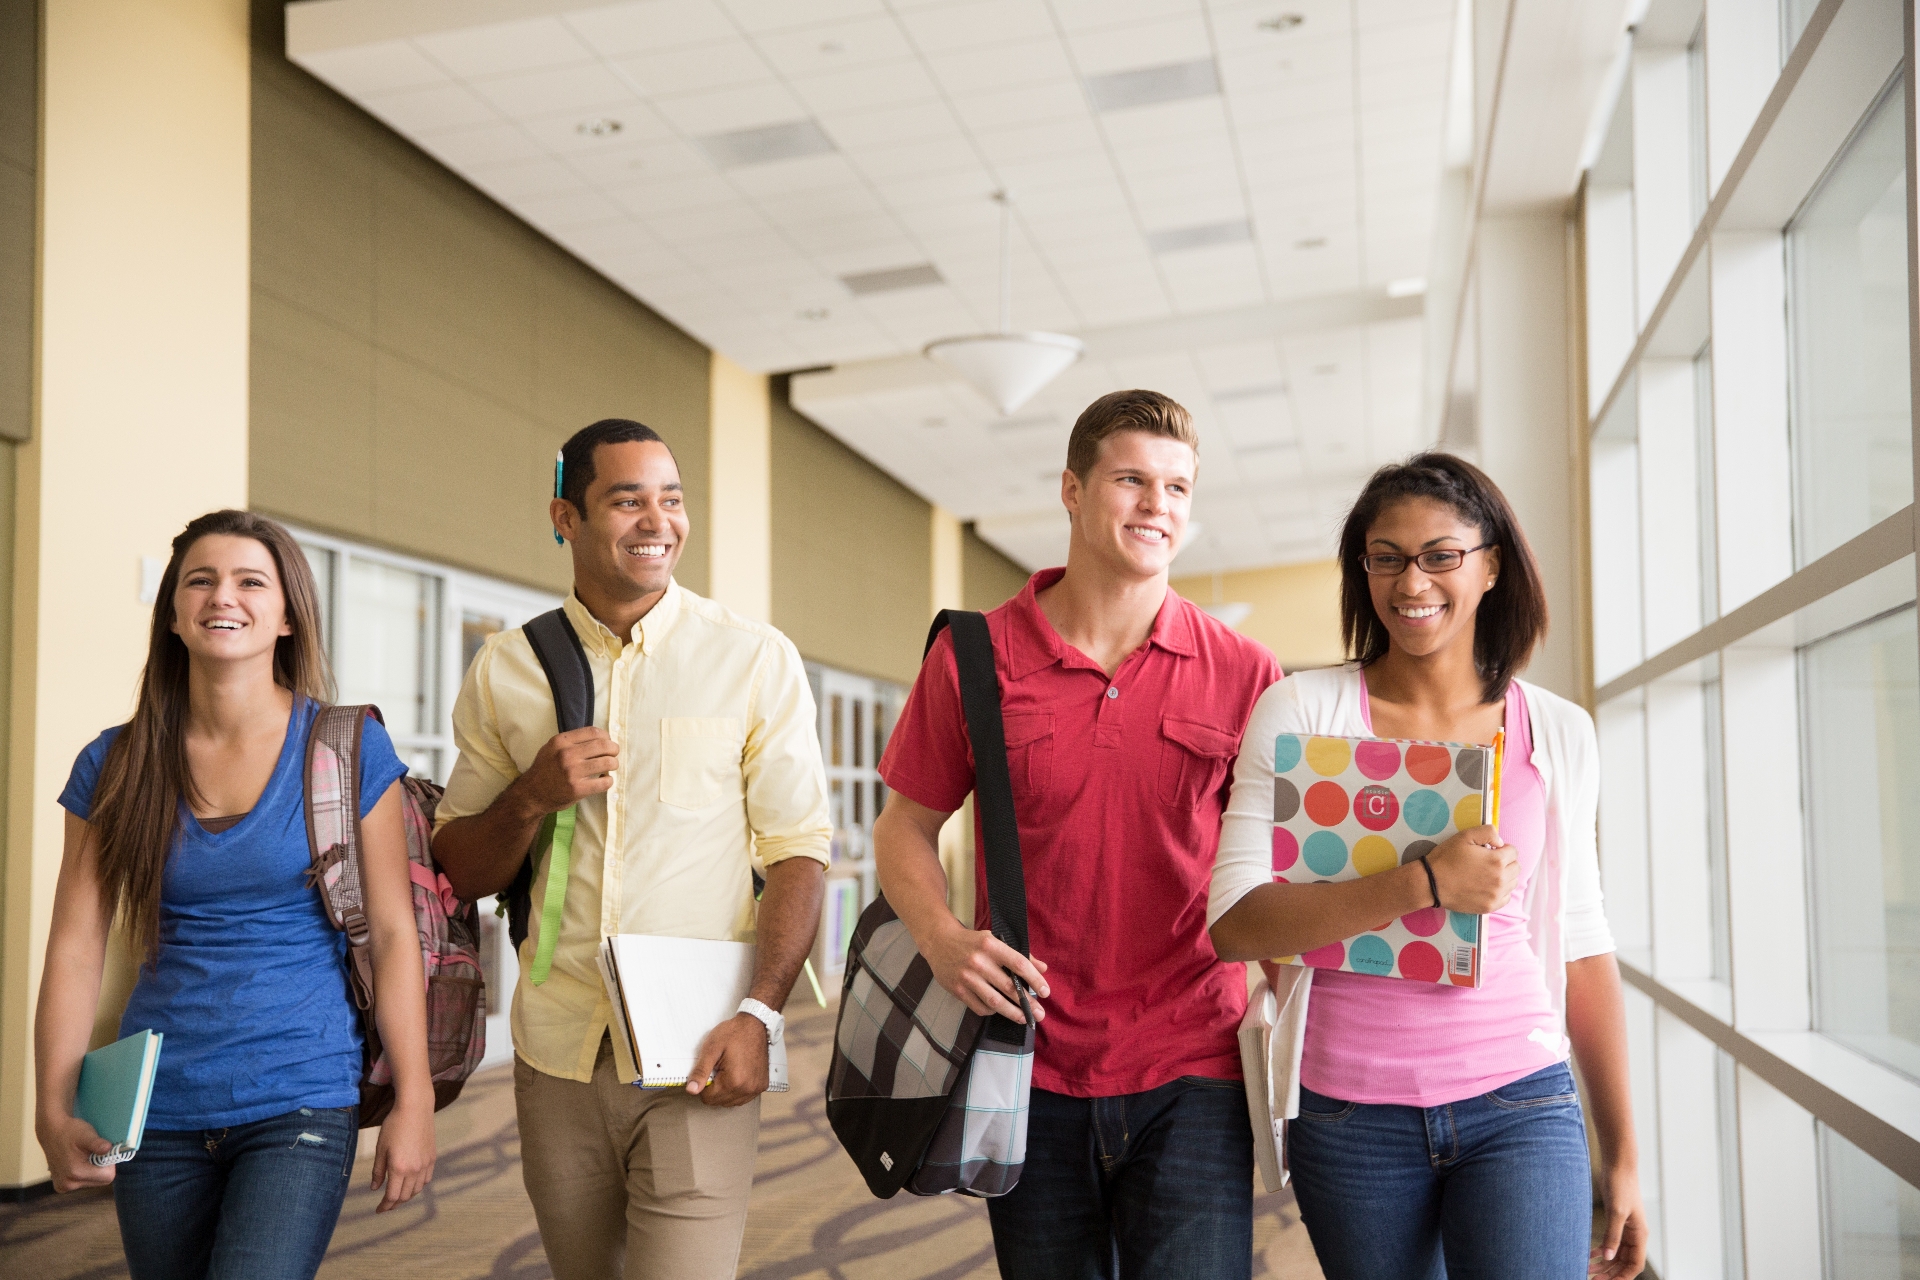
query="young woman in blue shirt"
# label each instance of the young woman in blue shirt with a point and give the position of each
(186, 826)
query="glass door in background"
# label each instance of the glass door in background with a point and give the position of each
(856, 717)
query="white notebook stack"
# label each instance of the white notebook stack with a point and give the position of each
(667, 994)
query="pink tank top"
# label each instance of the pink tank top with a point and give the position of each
(1418, 1044)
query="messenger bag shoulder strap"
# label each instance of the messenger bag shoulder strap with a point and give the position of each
(992, 785)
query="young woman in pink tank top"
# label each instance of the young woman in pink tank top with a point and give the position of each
(1439, 1129)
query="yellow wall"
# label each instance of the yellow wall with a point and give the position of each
(852, 554)
(988, 578)
(19, 164)
(141, 416)
(740, 554)
(1296, 608)
(419, 353)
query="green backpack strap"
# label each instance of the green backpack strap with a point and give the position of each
(564, 659)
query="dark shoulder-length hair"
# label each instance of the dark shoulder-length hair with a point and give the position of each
(136, 805)
(1512, 619)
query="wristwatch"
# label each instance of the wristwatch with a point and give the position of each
(775, 1023)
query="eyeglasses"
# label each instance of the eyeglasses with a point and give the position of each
(1444, 560)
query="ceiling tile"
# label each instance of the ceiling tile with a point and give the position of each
(810, 178)
(867, 88)
(1088, 15)
(486, 144)
(646, 161)
(1057, 100)
(1148, 44)
(649, 196)
(386, 67)
(973, 23)
(946, 155)
(613, 126)
(722, 64)
(727, 110)
(837, 46)
(555, 89)
(496, 48)
(423, 111)
(569, 209)
(544, 176)
(776, 15)
(1034, 141)
(938, 189)
(651, 24)
(853, 131)
(990, 68)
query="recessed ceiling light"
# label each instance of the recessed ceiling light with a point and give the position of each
(602, 128)
(812, 313)
(1311, 242)
(760, 146)
(1281, 22)
(889, 279)
(1411, 287)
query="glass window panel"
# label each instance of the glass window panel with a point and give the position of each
(1870, 1215)
(1852, 405)
(1861, 696)
(1716, 780)
(1697, 119)
(1708, 504)
(474, 630)
(859, 732)
(389, 651)
(837, 756)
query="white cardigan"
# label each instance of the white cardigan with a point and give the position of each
(1565, 917)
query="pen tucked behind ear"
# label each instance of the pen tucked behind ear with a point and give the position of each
(559, 474)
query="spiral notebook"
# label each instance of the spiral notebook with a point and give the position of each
(116, 1082)
(667, 994)
(1344, 808)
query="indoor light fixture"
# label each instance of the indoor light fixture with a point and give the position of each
(1007, 368)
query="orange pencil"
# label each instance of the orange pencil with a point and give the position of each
(1499, 761)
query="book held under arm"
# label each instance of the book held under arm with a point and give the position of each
(116, 1082)
(1344, 808)
(667, 994)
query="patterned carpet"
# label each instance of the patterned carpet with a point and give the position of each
(812, 1218)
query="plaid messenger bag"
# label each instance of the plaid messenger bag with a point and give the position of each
(923, 1092)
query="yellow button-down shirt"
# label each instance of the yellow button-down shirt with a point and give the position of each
(719, 773)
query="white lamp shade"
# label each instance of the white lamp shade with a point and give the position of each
(1007, 368)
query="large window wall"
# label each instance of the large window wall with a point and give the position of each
(1749, 295)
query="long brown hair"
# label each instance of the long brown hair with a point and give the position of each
(136, 806)
(1512, 618)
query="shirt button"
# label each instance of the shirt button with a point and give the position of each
(1113, 693)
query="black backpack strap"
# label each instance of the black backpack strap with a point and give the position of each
(992, 785)
(557, 645)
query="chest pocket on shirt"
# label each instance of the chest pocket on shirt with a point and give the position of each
(1194, 760)
(699, 760)
(1029, 753)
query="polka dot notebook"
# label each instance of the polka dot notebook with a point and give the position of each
(1350, 807)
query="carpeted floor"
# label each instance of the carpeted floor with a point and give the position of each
(812, 1218)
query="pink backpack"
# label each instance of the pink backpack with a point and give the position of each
(449, 927)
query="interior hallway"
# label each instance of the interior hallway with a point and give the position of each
(812, 1217)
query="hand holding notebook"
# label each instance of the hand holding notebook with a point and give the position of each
(116, 1082)
(667, 995)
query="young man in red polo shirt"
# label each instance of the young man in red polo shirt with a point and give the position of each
(1124, 706)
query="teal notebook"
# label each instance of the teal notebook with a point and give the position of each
(115, 1083)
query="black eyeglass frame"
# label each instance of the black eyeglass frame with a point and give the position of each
(1416, 559)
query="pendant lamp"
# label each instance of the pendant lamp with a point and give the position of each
(1007, 368)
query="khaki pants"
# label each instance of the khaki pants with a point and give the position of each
(617, 1172)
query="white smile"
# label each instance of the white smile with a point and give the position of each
(1418, 611)
(223, 624)
(1146, 533)
(647, 550)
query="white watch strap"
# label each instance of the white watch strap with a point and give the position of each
(775, 1023)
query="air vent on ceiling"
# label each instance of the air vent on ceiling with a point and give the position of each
(861, 283)
(1145, 86)
(1177, 239)
(764, 145)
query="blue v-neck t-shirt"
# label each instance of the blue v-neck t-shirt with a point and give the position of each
(250, 985)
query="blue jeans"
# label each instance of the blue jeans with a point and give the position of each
(1144, 1185)
(1491, 1188)
(255, 1202)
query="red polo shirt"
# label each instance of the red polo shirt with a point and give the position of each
(1118, 786)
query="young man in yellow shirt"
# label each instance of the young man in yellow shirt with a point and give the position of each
(701, 767)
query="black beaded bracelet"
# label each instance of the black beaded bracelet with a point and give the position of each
(1433, 886)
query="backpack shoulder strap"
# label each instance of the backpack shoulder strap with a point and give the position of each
(557, 645)
(992, 784)
(332, 805)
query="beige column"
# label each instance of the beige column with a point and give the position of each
(956, 838)
(141, 412)
(947, 561)
(741, 491)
